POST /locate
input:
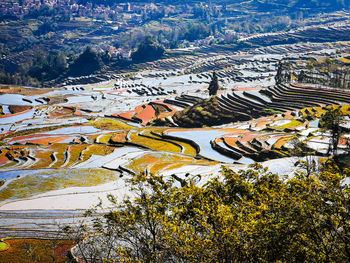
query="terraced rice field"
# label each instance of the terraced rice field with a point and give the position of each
(70, 146)
(28, 183)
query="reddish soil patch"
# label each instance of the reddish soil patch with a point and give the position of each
(119, 137)
(167, 109)
(41, 139)
(3, 158)
(49, 140)
(120, 91)
(130, 114)
(19, 138)
(18, 108)
(218, 140)
(248, 138)
(146, 114)
(221, 92)
(231, 141)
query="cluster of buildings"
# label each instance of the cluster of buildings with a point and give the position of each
(71, 7)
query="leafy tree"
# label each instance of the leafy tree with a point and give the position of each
(60, 62)
(45, 28)
(195, 31)
(249, 216)
(149, 49)
(86, 63)
(283, 73)
(213, 85)
(45, 66)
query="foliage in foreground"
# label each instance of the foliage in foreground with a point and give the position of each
(30, 250)
(249, 216)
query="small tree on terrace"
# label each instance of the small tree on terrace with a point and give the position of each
(213, 85)
(331, 121)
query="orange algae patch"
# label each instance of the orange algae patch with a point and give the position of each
(18, 108)
(142, 163)
(26, 137)
(49, 140)
(16, 252)
(130, 114)
(248, 137)
(40, 139)
(247, 88)
(282, 141)
(159, 166)
(146, 114)
(61, 112)
(3, 158)
(23, 91)
(219, 140)
(231, 141)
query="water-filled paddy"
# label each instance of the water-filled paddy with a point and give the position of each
(74, 130)
(17, 99)
(203, 138)
(17, 118)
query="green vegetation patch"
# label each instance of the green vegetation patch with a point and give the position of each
(3, 246)
(110, 124)
(48, 180)
(292, 123)
(273, 111)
